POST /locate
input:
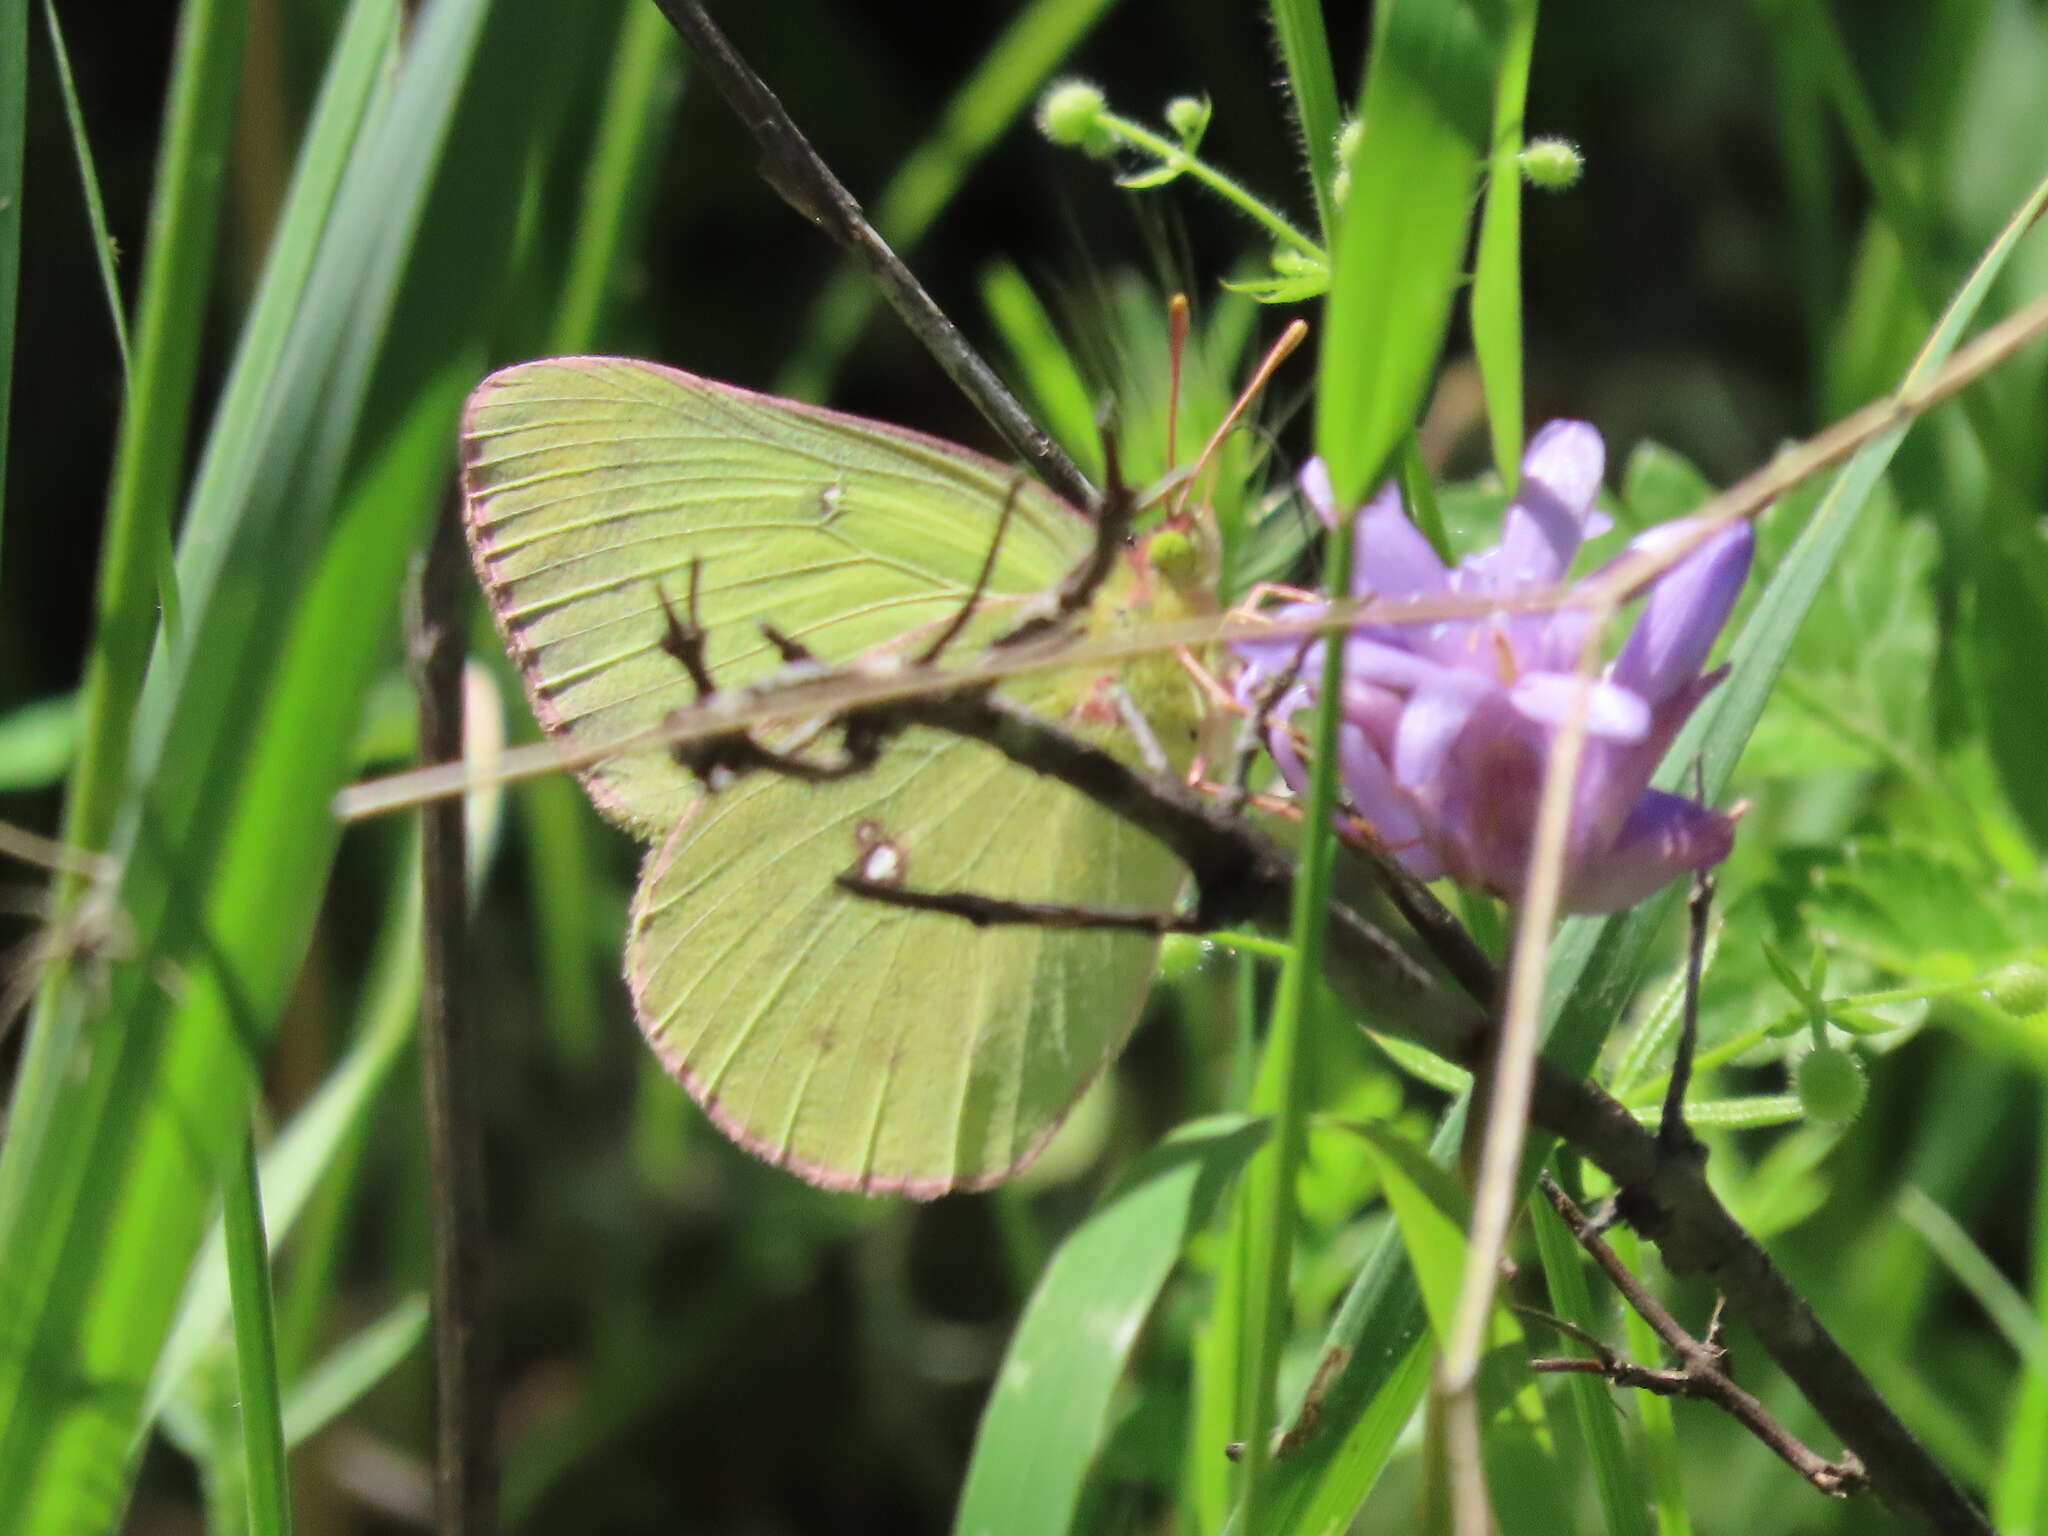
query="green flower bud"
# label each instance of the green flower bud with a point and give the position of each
(1187, 116)
(1831, 1085)
(1180, 955)
(1070, 113)
(2019, 989)
(1347, 146)
(1291, 262)
(1172, 554)
(1552, 164)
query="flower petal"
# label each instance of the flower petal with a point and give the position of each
(1430, 727)
(1684, 614)
(1392, 558)
(1545, 522)
(1373, 791)
(1317, 490)
(1663, 837)
(1613, 713)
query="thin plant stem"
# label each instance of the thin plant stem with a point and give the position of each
(248, 1254)
(465, 1464)
(1171, 155)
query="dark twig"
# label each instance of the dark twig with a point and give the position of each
(965, 613)
(466, 1459)
(999, 911)
(1702, 1369)
(1673, 1134)
(806, 183)
(1114, 511)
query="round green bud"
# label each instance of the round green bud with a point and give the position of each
(1172, 554)
(1186, 116)
(1070, 112)
(1291, 262)
(1181, 955)
(1552, 164)
(1347, 139)
(1831, 1085)
(2019, 989)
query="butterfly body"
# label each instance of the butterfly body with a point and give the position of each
(860, 1045)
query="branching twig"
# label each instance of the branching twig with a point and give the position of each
(1702, 1369)
(806, 183)
(1672, 1131)
(466, 1462)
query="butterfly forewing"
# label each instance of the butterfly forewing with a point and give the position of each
(860, 1045)
(593, 483)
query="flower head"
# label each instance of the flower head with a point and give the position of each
(1446, 725)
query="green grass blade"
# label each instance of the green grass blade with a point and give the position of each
(103, 1183)
(338, 1382)
(13, 122)
(89, 181)
(987, 103)
(1497, 271)
(646, 75)
(1660, 1434)
(1401, 241)
(1312, 86)
(1051, 377)
(248, 1253)
(149, 454)
(1600, 1428)
(1050, 1403)
(1974, 1271)
(2019, 1492)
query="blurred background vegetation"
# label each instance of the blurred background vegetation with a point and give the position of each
(694, 1342)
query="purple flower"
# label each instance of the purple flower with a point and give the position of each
(1447, 725)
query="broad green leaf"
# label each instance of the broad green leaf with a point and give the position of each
(1047, 1411)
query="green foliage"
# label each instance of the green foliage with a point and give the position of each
(357, 213)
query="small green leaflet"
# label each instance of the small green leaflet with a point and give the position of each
(858, 1045)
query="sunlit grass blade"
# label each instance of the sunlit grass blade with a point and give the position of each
(106, 1175)
(355, 1365)
(1596, 963)
(1497, 269)
(987, 103)
(1660, 1435)
(1051, 377)
(1401, 242)
(646, 75)
(262, 1413)
(1975, 1272)
(1312, 84)
(1050, 1403)
(2019, 1492)
(1613, 1477)
(149, 453)
(89, 181)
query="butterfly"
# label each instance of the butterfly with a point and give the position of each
(858, 1045)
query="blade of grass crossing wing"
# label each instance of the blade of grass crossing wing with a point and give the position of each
(1401, 242)
(1599, 1426)
(1050, 1403)
(985, 105)
(89, 181)
(101, 1206)
(1497, 271)
(13, 122)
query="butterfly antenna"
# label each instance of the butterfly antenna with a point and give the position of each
(959, 620)
(1176, 352)
(1281, 350)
